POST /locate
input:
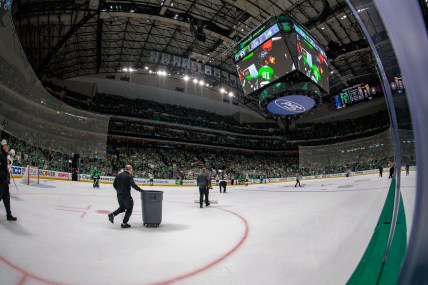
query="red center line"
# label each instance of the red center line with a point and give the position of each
(67, 210)
(87, 208)
(27, 275)
(215, 262)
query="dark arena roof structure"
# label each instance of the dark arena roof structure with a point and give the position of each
(66, 39)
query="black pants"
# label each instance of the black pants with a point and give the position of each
(391, 172)
(222, 186)
(297, 182)
(5, 196)
(203, 192)
(125, 203)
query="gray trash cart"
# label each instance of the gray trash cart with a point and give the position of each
(152, 207)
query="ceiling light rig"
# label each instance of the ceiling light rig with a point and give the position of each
(224, 91)
(128, 69)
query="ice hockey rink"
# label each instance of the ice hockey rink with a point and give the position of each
(260, 234)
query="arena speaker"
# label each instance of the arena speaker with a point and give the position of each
(198, 30)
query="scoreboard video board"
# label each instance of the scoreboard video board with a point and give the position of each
(351, 95)
(311, 59)
(277, 51)
(264, 60)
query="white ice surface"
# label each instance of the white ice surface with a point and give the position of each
(260, 234)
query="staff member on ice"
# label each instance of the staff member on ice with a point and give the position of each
(123, 183)
(204, 183)
(5, 180)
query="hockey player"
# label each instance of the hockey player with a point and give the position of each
(10, 159)
(298, 178)
(95, 176)
(151, 179)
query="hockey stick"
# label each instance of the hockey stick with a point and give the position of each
(15, 183)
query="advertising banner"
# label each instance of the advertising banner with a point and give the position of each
(17, 172)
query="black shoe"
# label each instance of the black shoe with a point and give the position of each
(200, 206)
(208, 204)
(11, 218)
(111, 218)
(125, 226)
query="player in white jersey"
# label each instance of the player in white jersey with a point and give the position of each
(151, 179)
(10, 158)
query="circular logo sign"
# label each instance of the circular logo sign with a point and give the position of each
(291, 105)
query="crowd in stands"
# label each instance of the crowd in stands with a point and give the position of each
(150, 110)
(378, 120)
(162, 161)
(143, 118)
(31, 113)
(193, 138)
(135, 128)
(185, 162)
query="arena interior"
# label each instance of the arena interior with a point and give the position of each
(262, 94)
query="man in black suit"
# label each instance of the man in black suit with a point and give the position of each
(5, 180)
(123, 183)
(380, 170)
(222, 184)
(391, 169)
(204, 183)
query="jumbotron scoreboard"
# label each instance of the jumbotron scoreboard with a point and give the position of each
(274, 61)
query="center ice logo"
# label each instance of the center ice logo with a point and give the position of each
(289, 105)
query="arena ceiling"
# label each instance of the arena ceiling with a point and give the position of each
(65, 39)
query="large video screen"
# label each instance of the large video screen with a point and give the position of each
(311, 59)
(267, 34)
(266, 63)
(352, 95)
